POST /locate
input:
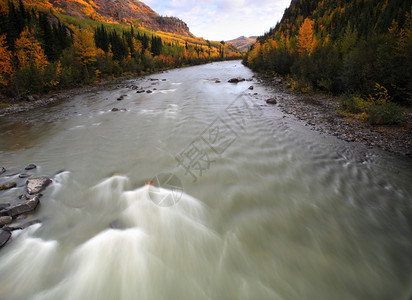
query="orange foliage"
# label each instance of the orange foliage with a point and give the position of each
(6, 68)
(29, 53)
(84, 46)
(306, 40)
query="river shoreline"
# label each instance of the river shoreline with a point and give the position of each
(319, 112)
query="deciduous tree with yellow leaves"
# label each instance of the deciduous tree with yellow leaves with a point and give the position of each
(306, 39)
(6, 68)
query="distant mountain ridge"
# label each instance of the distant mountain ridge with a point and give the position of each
(243, 43)
(128, 11)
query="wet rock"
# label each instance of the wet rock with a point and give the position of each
(7, 186)
(271, 101)
(30, 167)
(21, 217)
(149, 91)
(154, 79)
(140, 91)
(23, 208)
(251, 87)
(36, 185)
(24, 175)
(5, 220)
(30, 98)
(2, 170)
(4, 237)
(218, 81)
(115, 109)
(4, 206)
(163, 79)
(236, 80)
(21, 226)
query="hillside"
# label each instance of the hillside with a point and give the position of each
(243, 43)
(360, 48)
(42, 48)
(119, 11)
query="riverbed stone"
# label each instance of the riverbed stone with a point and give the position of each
(236, 80)
(23, 208)
(115, 109)
(140, 91)
(7, 186)
(2, 170)
(271, 101)
(251, 87)
(4, 237)
(24, 175)
(5, 220)
(30, 167)
(36, 185)
(149, 91)
(4, 206)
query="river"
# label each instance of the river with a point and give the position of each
(200, 190)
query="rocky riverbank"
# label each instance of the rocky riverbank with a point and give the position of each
(322, 113)
(12, 215)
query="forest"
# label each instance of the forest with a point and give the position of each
(358, 49)
(42, 50)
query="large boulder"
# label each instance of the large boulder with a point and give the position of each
(36, 185)
(22, 208)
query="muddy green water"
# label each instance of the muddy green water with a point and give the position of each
(264, 207)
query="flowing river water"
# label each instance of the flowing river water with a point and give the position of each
(257, 205)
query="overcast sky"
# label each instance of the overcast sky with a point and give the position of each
(223, 19)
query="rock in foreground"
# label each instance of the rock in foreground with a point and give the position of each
(36, 185)
(22, 208)
(4, 237)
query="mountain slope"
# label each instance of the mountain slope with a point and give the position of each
(243, 43)
(108, 11)
(357, 46)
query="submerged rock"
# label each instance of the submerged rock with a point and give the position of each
(140, 91)
(30, 167)
(24, 175)
(7, 186)
(4, 205)
(2, 170)
(21, 226)
(4, 237)
(5, 220)
(36, 185)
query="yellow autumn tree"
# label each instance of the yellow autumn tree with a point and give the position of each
(29, 53)
(306, 39)
(84, 48)
(6, 68)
